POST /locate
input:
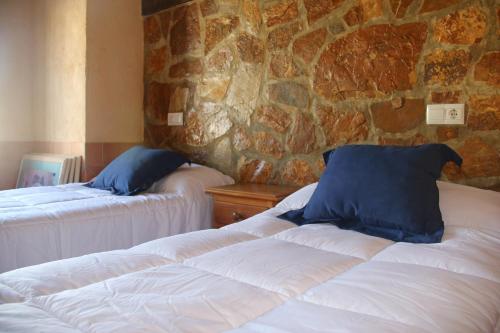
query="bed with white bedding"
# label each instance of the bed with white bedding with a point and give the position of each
(41, 224)
(267, 275)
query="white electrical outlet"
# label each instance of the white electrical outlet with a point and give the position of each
(175, 119)
(445, 114)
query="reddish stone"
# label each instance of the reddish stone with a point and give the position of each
(160, 97)
(165, 19)
(371, 9)
(185, 33)
(186, 67)
(381, 58)
(452, 171)
(281, 37)
(155, 135)
(446, 67)
(219, 28)
(302, 137)
(432, 5)
(157, 97)
(152, 32)
(273, 117)
(466, 26)
(488, 69)
(267, 144)
(208, 7)
(220, 61)
(342, 127)
(298, 172)
(445, 133)
(316, 9)
(365, 11)
(479, 160)
(354, 16)
(290, 93)
(307, 46)
(254, 171)
(281, 12)
(206, 124)
(251, 49)
(241, 140)
(409, 116)
(282, 66)
(251, 15)
(155, 60)
(446, 97)
(498, 21)
(399, 7)
(416, 140)
(484, 112)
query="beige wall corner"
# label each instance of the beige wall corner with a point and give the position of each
(114, 86)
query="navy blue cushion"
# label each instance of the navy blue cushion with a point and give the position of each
(388, 192)
(326, 155)
(136, 170)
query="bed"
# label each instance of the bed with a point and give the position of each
(42, 224)
(267, 275)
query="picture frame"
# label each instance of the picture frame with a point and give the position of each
(42, 170)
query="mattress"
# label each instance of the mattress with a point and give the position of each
(42, 224)
(267, 275)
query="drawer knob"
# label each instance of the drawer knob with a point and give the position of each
(237, 217)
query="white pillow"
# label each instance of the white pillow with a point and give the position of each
(297, 199)
(467, 206)
(192, 178)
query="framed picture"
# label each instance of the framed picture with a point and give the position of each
(42, 170)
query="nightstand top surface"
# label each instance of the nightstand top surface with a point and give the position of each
(261, 191)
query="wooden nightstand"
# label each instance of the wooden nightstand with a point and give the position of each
(233, 203)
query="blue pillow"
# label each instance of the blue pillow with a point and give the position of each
(326, 155)
(136, 170)
(388, 192)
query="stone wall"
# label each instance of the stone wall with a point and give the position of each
(267, 86)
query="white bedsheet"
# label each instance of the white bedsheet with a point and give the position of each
(42, 224)
(267, 275)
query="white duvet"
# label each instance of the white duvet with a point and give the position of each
(42, 224)
(267, 275)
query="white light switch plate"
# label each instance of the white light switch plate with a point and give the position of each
(175, 119)
(445, 114)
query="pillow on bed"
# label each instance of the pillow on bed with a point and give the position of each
(469, 207)
(191, 178)
(298, 199)
(388, 192)
(136, 170)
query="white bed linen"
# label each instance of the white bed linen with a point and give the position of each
(42, 224)
(268, 275)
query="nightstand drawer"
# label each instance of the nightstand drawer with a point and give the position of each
(226, 213)
(233, 203)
